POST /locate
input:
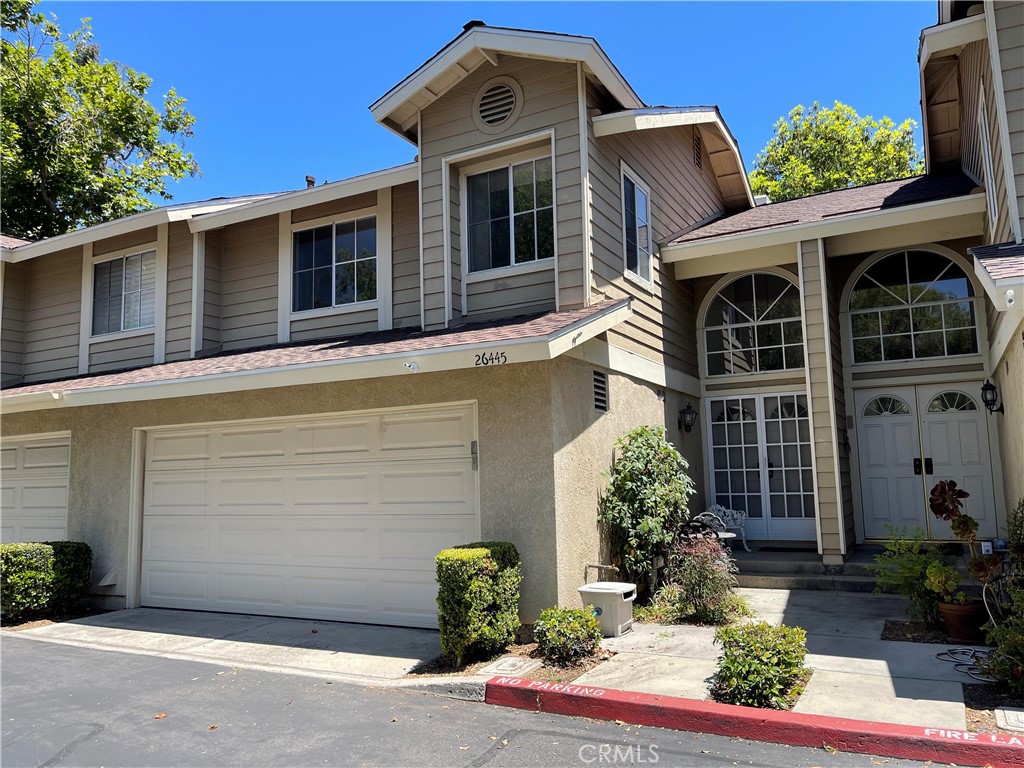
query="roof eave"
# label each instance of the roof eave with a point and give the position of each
(996, 288)
(839, 225)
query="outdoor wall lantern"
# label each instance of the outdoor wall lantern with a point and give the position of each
(687, 418)
(990, 396)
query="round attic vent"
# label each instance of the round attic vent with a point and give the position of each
(497, 104)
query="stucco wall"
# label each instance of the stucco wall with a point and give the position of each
(583, 448)
(1009, 378)
(517, 494)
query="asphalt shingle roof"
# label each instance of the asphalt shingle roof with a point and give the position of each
(1003, 261)
(7, 241)
(367, 345)
(829, 205)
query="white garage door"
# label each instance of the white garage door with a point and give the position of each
(34, 489)
(335, 517)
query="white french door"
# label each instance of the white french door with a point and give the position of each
(761, 463)
(909, 438)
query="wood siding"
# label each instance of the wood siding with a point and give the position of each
(52, 317)
(549, 101)
(212, 293)
(249, 284)
(1010, 36)
(335, 208)
(12, 324)
(516, 294)
(664, 325)
(120, 353)
(141, 237)
(179, 292)
(405, 255)
(842, 444)
(818, 360)
(331, 326)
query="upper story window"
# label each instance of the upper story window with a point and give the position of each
(636, 221)
(124, 293)
(910, 305)
(334, 265)
(511, 215)
(754, 325)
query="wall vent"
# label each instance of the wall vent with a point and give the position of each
(698, 155)
(497, 104)
(601, 391)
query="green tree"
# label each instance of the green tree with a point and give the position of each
(79, 141)
(821, 149)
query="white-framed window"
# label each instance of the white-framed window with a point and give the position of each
(636, 226)
(913, 305)
(335, 264)
(754, 324)
(510, 215)
(986, 157)
(124, 293)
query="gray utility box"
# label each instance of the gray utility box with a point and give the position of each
(613, 605)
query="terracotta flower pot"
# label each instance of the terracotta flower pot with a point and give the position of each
(963, 622)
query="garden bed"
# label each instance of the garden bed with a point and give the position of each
(916, 632)
(18, 625)
(553, 673)
(981, 700)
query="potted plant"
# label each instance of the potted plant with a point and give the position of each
(963, 617)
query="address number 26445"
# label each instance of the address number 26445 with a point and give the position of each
(491, 358)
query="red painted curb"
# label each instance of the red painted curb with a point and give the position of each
(936, 744)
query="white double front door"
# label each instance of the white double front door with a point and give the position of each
(911, 437)
(761, 463)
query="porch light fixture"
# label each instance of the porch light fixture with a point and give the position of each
(687, 418)
(990, 396)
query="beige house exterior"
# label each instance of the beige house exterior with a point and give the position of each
(288, 404)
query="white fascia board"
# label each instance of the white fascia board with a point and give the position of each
(667, 117)
(144, 220)
(950, 37)
(325, 193)
(996, 289)
(427, 361)
(840, 225)
(514, 43)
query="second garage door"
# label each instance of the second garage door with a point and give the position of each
(34, 489)
(336, 517)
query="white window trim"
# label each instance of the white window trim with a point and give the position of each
(637, 179)
(159, 328)
(488, 155)
(987, 166)
(383, 303)
(495, 164)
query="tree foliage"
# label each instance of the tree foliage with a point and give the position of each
(821, 149)
(80, 143)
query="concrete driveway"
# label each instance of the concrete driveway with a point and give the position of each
(355, 652)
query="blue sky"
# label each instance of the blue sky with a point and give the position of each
(280, 90)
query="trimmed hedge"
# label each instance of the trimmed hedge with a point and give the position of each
(477, 598)
(43, 578)
(761, 665)
(566, 635)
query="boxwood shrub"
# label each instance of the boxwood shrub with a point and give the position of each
(566, 635)
(761, 665)
(43, 578)
(477, 598)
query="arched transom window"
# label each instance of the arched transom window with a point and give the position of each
(886, 405)
(945, 402)
(911, 305)
(754, 325)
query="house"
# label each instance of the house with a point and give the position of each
(288, 404)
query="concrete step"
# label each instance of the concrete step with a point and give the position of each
(806, 581)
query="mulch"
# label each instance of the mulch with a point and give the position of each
(916, 632)
(17, 625)
(553, 673)
(980, 699)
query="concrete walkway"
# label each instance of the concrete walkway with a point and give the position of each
(354, 652)
(856, 674)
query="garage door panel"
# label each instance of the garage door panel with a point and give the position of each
(337, 517)
(34, 489)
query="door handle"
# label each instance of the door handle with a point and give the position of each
(917, 466)
(929, 469)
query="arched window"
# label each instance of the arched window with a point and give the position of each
(952, 401)
(910, 305)
(886, 405)
(753, 325)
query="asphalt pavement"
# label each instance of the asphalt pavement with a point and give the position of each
(71, 706)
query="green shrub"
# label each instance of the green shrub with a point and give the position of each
(643, 506)
(477, 598)
(566, 635)
(1006, 661)
(705, 574)
(72, 574)
(1015, 530)
(26, 578)
(761, 665)
(903, 568)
